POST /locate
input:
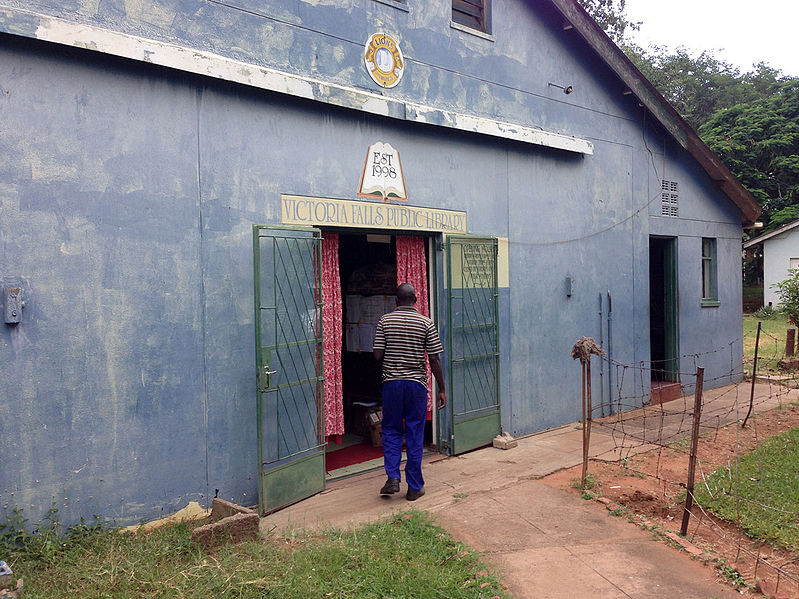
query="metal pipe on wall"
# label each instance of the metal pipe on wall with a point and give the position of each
(610, 353)
(601, 361)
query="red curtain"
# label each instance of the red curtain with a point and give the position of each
(412, 268)
(331, 341)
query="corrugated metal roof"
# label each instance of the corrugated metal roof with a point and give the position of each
(766, 236)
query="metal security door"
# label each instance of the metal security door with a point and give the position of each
(288, 348)
(472, 296)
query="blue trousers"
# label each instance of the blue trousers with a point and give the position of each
(404, 413)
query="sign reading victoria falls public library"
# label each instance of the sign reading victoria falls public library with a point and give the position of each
(301, 210)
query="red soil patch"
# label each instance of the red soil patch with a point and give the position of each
(654, 496)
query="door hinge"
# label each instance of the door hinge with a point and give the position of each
(440, 246)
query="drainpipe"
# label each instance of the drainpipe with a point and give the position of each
(610, 352)
(601, 361)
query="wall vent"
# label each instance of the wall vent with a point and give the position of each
(669, 198)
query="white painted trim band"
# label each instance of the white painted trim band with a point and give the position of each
(68, 33)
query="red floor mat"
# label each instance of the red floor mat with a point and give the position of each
(354, 454)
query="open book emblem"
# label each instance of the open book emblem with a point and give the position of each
(382, 175)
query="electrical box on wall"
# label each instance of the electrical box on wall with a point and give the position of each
(12, 301)
(569, 286)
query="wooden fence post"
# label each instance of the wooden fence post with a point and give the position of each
(790, 343)
(689, 497)
(585, 440)
(582, 351)
(754, 375)
(587, 420)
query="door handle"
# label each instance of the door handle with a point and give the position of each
(265, 378)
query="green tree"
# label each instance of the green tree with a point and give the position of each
(698, 86)
(611, 16)
(750, 120)
(759, 141)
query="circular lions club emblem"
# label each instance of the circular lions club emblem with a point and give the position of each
(383, 60)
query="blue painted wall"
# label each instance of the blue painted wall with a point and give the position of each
(128, 193)
(102, 385)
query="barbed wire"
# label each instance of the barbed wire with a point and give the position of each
(650, 413)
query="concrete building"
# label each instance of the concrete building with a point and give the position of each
(780, 254)
(505, 153)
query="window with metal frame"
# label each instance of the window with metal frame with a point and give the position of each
(710, 295)
(471, 13)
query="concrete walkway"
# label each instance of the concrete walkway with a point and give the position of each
(544, 542)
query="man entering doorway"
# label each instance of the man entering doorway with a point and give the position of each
(401, 341)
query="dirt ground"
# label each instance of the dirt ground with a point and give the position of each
(649, 486)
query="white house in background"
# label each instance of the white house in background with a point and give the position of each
(780, 254)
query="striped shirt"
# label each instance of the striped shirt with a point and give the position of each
(404, 335)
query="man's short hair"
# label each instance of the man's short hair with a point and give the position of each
(406, 294)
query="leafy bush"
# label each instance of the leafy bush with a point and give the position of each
(766, 312)
(788, 290)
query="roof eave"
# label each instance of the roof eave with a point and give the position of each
(766, 236)
(659, 107)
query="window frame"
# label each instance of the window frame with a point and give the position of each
(398, 4)
(463, 23)
(710, 297)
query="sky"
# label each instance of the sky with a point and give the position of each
(741, 32)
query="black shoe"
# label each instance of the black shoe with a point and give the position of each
(391, 487)
(412, 495)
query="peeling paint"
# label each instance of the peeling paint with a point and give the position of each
(52, 168)
(213, 65)
(322, 2)
(465, 122)
(155, 13)
(376, 106)
(128, 195)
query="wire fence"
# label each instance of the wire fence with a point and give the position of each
(676, 429)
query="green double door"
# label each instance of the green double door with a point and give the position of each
(473, 331)
(288, 344)
(288, 334)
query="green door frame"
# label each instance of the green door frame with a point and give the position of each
(670, 298)
(473, 335)
(289, 376)
(671, 301)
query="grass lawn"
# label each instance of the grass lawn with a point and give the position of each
(767, 476)
(772, 342)
(404, 556)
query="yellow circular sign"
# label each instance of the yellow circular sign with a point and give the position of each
(383, 60)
